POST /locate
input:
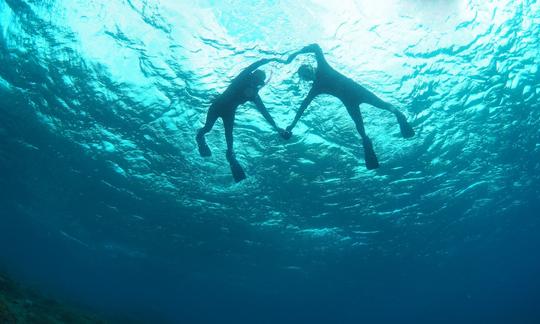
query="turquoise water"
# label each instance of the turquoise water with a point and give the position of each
(107, 203)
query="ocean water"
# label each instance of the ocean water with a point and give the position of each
(106, 203)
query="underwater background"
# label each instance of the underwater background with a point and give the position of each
(106, 203)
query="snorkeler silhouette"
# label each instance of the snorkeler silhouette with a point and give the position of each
(243, 88)
(326, 80)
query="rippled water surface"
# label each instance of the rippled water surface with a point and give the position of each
(107, 203)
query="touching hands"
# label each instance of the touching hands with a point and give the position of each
(289, 128)
(284, 133)
(278, 60)
(290, 58)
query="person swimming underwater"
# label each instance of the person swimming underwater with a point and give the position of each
(326, 80)
(243, 88)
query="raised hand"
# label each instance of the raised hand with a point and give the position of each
(278, 60)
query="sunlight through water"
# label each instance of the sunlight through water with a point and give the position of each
(101, 101)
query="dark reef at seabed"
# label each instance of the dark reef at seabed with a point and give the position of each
(19, 304)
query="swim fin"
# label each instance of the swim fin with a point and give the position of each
(236, 169)
(405, 127)
(369, 155)
(204, 150)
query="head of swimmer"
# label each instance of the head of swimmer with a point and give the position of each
(306, 72)
(258, 78)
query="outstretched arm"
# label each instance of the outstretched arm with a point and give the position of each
(313, 48)
(309, 98)
(262, 109)
(254, 66)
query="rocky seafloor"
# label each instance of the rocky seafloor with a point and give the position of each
(19, 304)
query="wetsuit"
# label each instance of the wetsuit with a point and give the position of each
(242, 89)
(331, 82)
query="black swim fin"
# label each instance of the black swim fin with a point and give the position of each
(236, 169)
(405, 127)
(369, 155)
(204, 150)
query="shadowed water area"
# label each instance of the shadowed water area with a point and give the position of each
(106, 201)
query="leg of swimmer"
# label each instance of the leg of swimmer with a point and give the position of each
(228, 124)
(369, 153)
(236, 169)
(404, 126)
(204, 150)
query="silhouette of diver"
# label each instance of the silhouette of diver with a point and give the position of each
(326, 80)
(243, 88)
